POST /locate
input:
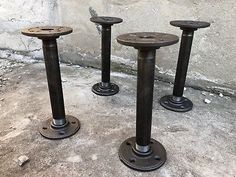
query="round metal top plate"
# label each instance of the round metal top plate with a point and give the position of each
(106, 20)
(147, 39)
(190, 24)
(47, 31)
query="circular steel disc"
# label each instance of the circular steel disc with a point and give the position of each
(138, 162)
(47, 31)
(190, 24)
(182, 105)
(105, 91)
(147, 39)
(47, 131)
(102, 20)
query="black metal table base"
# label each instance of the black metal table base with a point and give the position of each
(142, 162)
(70, 128)
(107, 90)
(60, 126)
(142, 153)
(177, 104)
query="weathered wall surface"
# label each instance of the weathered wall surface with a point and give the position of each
(213, 60)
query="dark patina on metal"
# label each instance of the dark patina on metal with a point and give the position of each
(60, 126)
(141, 152)
(177, 102)
(105, 87)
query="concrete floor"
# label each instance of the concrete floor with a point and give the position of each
(200, 143)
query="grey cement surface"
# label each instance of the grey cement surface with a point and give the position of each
(212, 65)
(200, 143)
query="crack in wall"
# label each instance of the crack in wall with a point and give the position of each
(93, 13)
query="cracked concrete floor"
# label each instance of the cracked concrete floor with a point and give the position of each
(200, 143)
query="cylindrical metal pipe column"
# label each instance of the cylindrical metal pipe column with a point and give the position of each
(145, 83)
(176, 102)
(54, 81)
(106, 54)
(183, 61)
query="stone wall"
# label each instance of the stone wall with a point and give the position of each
(213, 60)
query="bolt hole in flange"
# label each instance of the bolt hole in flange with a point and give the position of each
(128, 143)
(61, 132)
(47, 29)
(147, 37)
(73, 122)
(157, 157)
(132, 160)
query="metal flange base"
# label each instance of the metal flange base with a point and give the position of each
(181, 105)
(110, 90)
(49, 132)
(146, 162)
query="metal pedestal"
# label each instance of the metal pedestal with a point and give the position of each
(60, 126)
(141, 152)
(177, 102)
(105, 87)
